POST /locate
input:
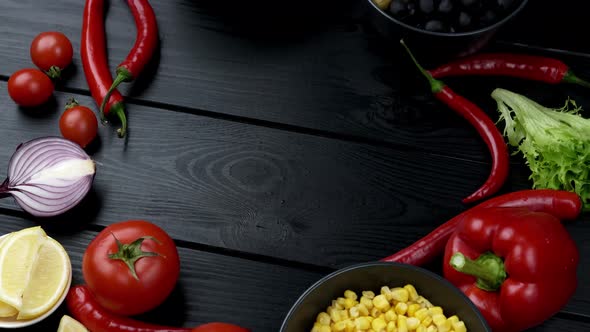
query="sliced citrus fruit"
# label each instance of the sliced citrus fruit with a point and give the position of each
(18, 253)
(68, 324)
(48, 280)
(5, 309)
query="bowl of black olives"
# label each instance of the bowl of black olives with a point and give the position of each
(446, 27)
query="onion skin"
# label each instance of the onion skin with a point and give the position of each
(48, 176)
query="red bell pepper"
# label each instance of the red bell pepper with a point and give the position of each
(517, 266)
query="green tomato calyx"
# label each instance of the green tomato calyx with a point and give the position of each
(130, 253)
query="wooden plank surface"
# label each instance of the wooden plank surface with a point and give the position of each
(280, 144)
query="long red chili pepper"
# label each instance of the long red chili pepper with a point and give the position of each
(94, 62)
(87, 311)
(146, 41)
(530, 67)
(484, 126)
(564, 205)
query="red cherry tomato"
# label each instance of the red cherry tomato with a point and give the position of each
(219, 327)
(113, 282)
(78, 124)
(30, 87)
(51, 49)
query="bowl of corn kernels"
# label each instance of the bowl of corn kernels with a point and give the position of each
(384, 297)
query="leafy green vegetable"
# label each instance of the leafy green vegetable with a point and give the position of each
(554, 142)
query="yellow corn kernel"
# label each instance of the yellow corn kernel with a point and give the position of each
(325, 328)
(371, 330)
(375, 312)
(369, 294)
(412, 293)
(427, 321)
(401, 308)
(378, 324)
(431, 328)
(340, 301)
(400, 294)
(390, 315)
(387, 292)
(402, 325)
(344, 314)
(459, 326)
(424, 302)
(453, 319)
(439, 319)
(391, 327)
(349, 303)
(316, 327)
(421, 328)
(421, 314)
(350, 295)
(363, 310)
(412, 323)
(362, 323)
(353, 312)
(340, 326)
(380, 302)
(329, 310)
(368, 302)
(435, 310)
(412, 308)
(323, 318)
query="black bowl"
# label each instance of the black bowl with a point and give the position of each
(372, 276)
(438, 44)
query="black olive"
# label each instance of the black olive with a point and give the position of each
(426, 6)
(505, 4)
(464, 19)
(434, 26)
(488, 17)
(468, 2)
(397, 7)
(445, 6)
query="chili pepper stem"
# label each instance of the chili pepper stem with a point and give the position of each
(122, 76)
(570, 77)
(487, 268)
(119, 110)
(435, 85)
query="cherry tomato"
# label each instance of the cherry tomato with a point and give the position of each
(30, 87)
(78, 124)
(219, 327)
(115, 285)
(51, 49)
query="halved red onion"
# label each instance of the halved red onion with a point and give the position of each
(48, 176)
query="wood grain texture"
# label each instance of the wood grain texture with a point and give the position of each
(267, 192)
(320, 69)
(211, 287)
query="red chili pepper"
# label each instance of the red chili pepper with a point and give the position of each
(146, 41)
(87, 311)
(94, 62)
(530, 67)
(564, 205)
(517, 266)
(484, 126)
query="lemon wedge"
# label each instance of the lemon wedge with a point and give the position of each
(68, 324)
(18, 253)
(48, 280)
(5, 309)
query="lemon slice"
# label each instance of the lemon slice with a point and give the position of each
(18, 253)
(5, 309)
(68, 324)
(48, 280)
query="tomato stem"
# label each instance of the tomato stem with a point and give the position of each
(130, 253)
(54, 72)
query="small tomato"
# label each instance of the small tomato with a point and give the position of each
(131, 267)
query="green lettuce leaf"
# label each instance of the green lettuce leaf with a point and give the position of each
(554, 142)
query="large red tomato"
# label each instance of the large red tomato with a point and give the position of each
(131, 267)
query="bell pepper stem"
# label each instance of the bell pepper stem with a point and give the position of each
(435, 85)
(487, 268)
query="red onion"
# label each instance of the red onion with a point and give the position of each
(48, 176)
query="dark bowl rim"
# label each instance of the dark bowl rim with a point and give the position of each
(449, 34)
(439, 278)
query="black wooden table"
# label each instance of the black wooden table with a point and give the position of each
(277, 145)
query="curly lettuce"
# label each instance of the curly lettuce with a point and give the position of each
(554, 142)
